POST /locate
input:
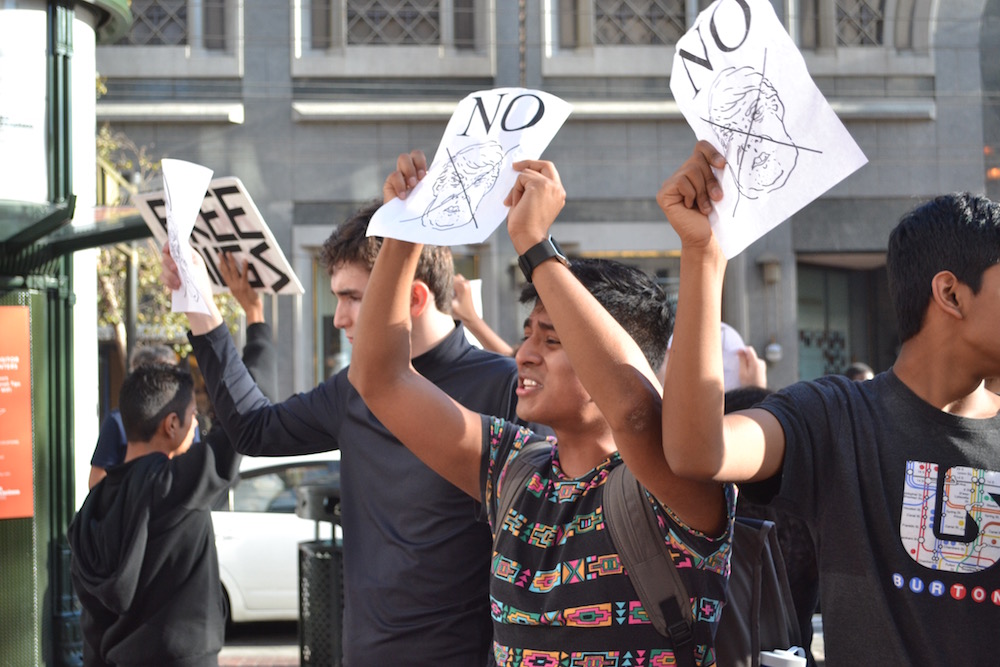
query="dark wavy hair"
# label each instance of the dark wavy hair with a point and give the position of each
(636, 302)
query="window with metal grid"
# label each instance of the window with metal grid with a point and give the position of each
(157, 23)
(860, 22)
(176, 23)
(638, 22)
(393, 22)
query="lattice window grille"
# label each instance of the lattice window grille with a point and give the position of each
(158, 23)
(859, 23)
(394, 22)
(638, 22)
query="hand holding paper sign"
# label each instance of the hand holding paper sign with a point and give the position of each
(410, 169)
(534, 201)
(170, 276)
(462, 198)
(184, 185)
(742, 85)
(688, 197)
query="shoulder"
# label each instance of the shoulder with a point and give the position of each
(830, 391)
(474, 356)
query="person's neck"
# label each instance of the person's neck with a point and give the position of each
(939, 374)
(429, 329)
(583, 446)
(135, 450)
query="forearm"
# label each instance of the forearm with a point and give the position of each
(261, 359)
(609, 363)
(485, 335)
(381, 351)
(202, 323)
(255, 427)
(693, 389)
(403, 400)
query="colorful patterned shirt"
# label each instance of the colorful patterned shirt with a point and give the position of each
(559, 594)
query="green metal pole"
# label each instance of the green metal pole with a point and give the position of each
(65, 637)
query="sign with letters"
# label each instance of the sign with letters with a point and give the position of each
(228, 220)
(744, 87)
(17, 487)
(460, 200)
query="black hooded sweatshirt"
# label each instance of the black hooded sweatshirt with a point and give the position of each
(144, 563)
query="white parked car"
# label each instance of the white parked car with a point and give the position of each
(257, 534)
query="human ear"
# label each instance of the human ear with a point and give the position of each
(420, 298)
(947, 294)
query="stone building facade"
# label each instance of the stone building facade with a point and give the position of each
(310, 101)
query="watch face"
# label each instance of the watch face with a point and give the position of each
(537, 254)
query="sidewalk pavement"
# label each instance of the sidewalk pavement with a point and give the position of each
(259, 656)
(280, 648)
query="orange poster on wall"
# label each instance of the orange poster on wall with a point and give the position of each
(17, 498)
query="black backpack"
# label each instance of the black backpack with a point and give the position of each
(759, 613)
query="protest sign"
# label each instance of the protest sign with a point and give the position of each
(743, 86)
(460, 200)
(228, 220)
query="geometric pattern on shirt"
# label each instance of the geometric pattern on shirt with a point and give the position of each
(597, 615)
(507, 657)
(543, 535)
(575, 571)
(518, 657)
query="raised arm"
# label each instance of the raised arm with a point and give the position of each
(698, 441)
(442, 433)
(299, 425)
(238, 281)
(259, 354)
(462, 307)
(608, 362)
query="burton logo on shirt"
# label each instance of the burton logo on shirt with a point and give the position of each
(951, 521)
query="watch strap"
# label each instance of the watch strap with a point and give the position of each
(538, 253)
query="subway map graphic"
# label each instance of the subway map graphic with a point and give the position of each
(968, 538)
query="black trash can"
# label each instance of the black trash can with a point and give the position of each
(321, 580)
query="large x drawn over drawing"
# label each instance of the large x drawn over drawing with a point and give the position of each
(748, 117)
(462, 184)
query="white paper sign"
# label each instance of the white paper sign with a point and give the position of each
(743, 86)
(476, 290)
(184, 185)
(228, 220)
(460, 200)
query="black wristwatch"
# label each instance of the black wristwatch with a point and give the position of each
(538, 253)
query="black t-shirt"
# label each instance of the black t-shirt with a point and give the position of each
(904, 498)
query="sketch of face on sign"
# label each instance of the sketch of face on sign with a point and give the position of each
(462, 184)
(461, 199)
(743, 86)
(749, 120)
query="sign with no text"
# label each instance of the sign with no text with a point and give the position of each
(17, 498)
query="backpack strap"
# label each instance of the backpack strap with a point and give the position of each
(635, 532)
(516, 476)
